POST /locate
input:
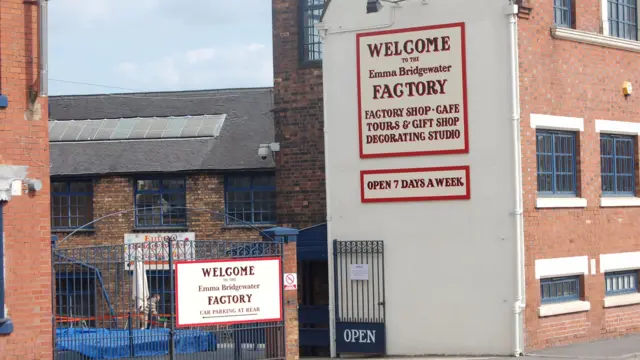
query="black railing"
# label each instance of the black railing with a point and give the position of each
(118, 301)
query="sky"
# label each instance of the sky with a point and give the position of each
(158, 45)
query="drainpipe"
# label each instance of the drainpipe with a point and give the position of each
(330, 264)
(519, 305)
(44, 46)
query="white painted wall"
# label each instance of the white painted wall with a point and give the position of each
(450, 265)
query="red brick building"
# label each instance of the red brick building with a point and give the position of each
(575, 58)
(25, 266)
(579, 128)
(129, 168)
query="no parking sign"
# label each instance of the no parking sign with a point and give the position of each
(290, 281)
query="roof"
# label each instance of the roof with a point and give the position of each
(247, 122)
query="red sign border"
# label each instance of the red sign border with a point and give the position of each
(464, 150)
(467, 196)
(177, 267)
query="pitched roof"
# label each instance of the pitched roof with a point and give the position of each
(248, 123)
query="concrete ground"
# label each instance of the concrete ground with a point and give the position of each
(623, 348)
(627, 347)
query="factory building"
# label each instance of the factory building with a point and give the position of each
(479, 165)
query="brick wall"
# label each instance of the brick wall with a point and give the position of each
(299, 125)
(24, 141)
(116, 193)
(565, 78)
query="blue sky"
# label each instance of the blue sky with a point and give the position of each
(158, 45)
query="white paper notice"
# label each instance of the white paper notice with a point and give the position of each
(412, 91)
(359, 272)
(445, 183)
(228, 292)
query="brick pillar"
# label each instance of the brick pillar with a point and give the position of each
(275, 338)
(292, 346)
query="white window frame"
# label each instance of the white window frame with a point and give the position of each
(562, 123)
(616, 127)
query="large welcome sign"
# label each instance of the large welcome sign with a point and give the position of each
(228, 291)
(412, 91)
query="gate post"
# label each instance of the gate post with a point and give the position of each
(288, 342)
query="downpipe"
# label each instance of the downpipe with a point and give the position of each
(43, 49)
(519, 305)
(327, 182)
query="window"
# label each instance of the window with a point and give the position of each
(560, 289)
(160, 283)
(617, 283)
(76, 297)
(617, 167)
(623, 19)
(562, 13)
(71, 204)
(250, 199)
(161, 202)
(310, 43)
(556, 157)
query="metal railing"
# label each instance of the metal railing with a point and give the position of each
(118, 301)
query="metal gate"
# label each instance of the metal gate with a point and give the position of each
(360, 297)
(119, 302)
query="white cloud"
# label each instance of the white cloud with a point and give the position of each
(126, 68)
(234, 66)
(255, 47)
(199, 55)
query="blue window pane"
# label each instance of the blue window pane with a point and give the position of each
(623, 19)
(75, 294)
(71, 204)
(621, 283)
(617, 165)
(160, 283)
(556, 159)
(562, 12)
(560, 289)
(310, 43)
(250, 199)
(161, 202)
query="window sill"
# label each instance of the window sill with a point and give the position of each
(619, 201)
(621, 300)
(160, 228)
(251, 226)
(563, 308)
(68, 230)
(595, 39)
(559, 202)
(6, 326)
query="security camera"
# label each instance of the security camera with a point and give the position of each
(263, 152)
(265, 149)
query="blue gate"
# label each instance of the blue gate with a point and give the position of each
(313, 315)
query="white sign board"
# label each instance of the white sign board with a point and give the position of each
(444, 183)
(290, 281)
(359, 272)
(412, 91)
(153, 248)
(217, 292)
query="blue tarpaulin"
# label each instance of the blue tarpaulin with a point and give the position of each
(114, 344)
